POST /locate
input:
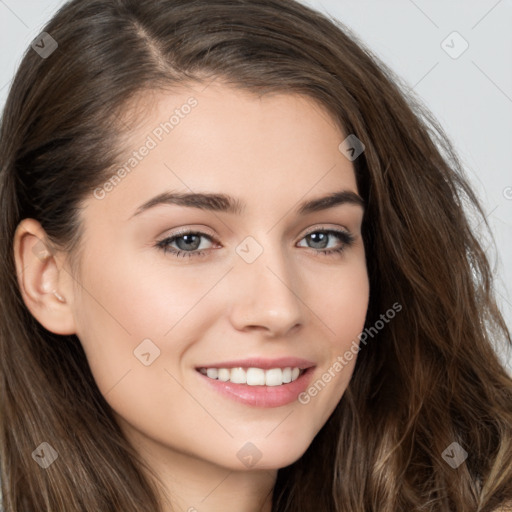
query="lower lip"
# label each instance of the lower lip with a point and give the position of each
(262, 396)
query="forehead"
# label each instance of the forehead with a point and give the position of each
(271, 149)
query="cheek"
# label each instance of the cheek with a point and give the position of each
(344, 303)
(127, 309)
(342, 310)
(121, 305)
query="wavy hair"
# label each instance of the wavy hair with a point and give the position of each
(428, 379)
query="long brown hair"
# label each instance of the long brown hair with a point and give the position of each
(428, 379)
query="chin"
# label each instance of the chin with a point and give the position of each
(270, 454)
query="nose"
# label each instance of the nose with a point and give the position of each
(263, 296)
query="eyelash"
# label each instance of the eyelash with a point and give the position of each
(164, 245)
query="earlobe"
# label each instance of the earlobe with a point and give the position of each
(42, 282)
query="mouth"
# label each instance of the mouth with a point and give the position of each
(254, 376)
(258, 382)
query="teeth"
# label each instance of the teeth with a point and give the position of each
(223, 374)
(254, 376)
(237, 375)
(213, 373)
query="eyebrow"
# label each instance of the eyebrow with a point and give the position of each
(228, 204)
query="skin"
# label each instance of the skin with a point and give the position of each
(272, 153)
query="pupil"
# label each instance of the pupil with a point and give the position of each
(316, 235)
(189, 241)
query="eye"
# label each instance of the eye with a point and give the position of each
(320, 238)
(188, 242)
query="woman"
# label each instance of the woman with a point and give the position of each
(238, 275)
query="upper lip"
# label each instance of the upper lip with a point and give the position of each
(265, 364)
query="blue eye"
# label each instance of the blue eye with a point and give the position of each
(190, 241)
(347, 239)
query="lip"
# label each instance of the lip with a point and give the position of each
(264, 364)
(260, 396)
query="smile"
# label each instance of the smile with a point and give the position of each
(254, 376)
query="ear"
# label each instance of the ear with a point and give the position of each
(45, 285)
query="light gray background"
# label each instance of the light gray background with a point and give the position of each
(470, 95)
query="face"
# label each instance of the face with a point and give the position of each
(267, 285)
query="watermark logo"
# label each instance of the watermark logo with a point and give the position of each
(249, 455)
(249, 249)
(455, 455)
(41, 250)
(146, 352)
(45, 455)
(44, 45)
(351, 147)
(454, 45)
